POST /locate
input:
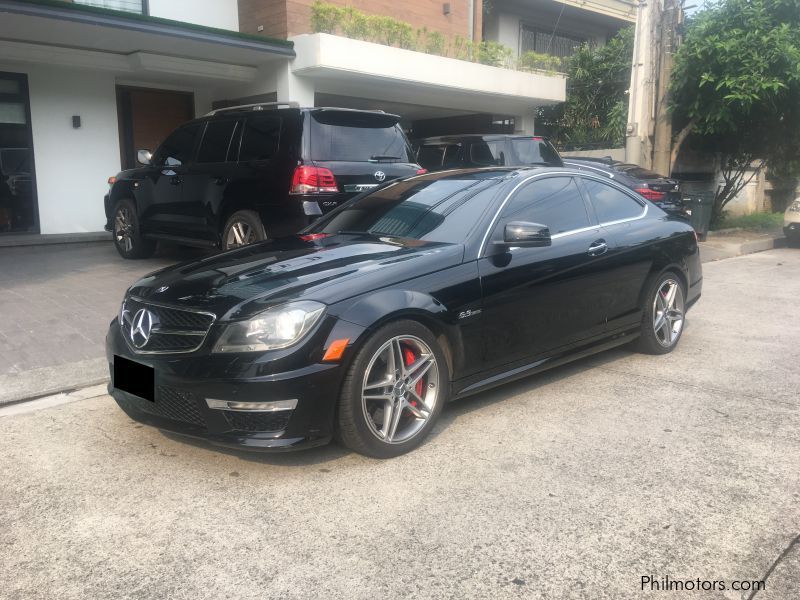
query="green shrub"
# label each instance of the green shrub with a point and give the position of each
(435, 43)
(325, 17)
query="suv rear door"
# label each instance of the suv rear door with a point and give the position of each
(207, 179)
(361, 149)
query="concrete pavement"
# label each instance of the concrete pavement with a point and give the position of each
(571, 484)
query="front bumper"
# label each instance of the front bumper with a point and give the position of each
(184, 383)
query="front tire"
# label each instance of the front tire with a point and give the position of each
(663, 314)
(394, 391)
(127, 233)
(242, 228)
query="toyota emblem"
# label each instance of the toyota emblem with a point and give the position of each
(380, 175)
(141, 327)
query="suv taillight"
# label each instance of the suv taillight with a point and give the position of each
(312, 180)
(651, 195)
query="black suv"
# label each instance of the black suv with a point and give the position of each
(476, 150)
(248, 173)
(662, 191)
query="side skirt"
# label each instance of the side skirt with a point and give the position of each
(545, 364)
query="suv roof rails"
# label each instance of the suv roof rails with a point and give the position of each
(254, 107)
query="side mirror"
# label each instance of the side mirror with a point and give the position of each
(520, 234)
(144, 157)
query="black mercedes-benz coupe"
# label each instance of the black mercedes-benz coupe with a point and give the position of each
(425, 290)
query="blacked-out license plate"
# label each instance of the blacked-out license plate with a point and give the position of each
(134, 378)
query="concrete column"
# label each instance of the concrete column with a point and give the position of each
(294, 88)
(524, 123)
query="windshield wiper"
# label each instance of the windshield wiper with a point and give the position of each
(377, 157)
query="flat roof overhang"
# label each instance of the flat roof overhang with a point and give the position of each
(348, 67)
(130, 42)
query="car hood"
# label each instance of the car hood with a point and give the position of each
(238, 284)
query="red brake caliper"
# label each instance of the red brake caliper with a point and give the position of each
(409, 357)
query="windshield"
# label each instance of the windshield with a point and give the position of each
(438, 210)
(359, 137)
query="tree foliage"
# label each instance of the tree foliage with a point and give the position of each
(736, 88)
(596, 109)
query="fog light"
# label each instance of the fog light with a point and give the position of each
(252, 406)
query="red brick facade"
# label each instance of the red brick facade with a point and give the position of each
(284, 18)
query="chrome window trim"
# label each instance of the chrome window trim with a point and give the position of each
(582, 166)
(204, 334)
(585, 175)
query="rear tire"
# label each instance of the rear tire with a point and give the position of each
(127, 233)
(242, 228)
(400, 372)
(663, 314)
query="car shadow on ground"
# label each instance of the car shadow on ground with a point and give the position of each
(452, 411)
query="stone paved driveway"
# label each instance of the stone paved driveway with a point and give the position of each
(55, 305)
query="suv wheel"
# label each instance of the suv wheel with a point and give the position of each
(127, 232)
(242, 228)
(394, 391)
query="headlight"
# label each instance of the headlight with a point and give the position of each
(795, 206)
(277, 327)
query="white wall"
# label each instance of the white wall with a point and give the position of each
(223, 14)
(72, 165)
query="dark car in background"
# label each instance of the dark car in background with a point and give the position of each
(249, 173)
(662, 191)
(475, 150)
(428, 289)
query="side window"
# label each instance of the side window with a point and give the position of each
(609, 203)
(431, 156)
(488, 153)
(216, 142)
(177, 149)
(261, 138)
(452, 156)
(553, 201)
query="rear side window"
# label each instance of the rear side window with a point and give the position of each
(488, 153)
(261, 138)
(216, 142)
(609, 203)
(554, 201)
(177, 149)
(533, 151)
(357, 137)
(435, 156)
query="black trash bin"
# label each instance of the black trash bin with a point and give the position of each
(702, 205)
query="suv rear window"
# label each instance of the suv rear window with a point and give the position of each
(357, 137)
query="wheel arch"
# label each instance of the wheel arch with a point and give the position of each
(386, 306)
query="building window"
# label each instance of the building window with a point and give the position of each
(539, 40)
(133, 6)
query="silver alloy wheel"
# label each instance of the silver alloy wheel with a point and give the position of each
(400, 389)
(668, 313)
(240, 234)
(123, 228)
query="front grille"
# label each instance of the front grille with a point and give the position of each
(175, 405)
(168, 329)
(255, 421)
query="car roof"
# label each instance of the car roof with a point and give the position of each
(486, 137)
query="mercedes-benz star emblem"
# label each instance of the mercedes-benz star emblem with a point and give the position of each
(380, 175)
(141, 327)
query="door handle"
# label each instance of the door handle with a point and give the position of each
(221, 180)
(598, 248)
(176, 180)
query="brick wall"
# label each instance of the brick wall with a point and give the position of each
(284, 18)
